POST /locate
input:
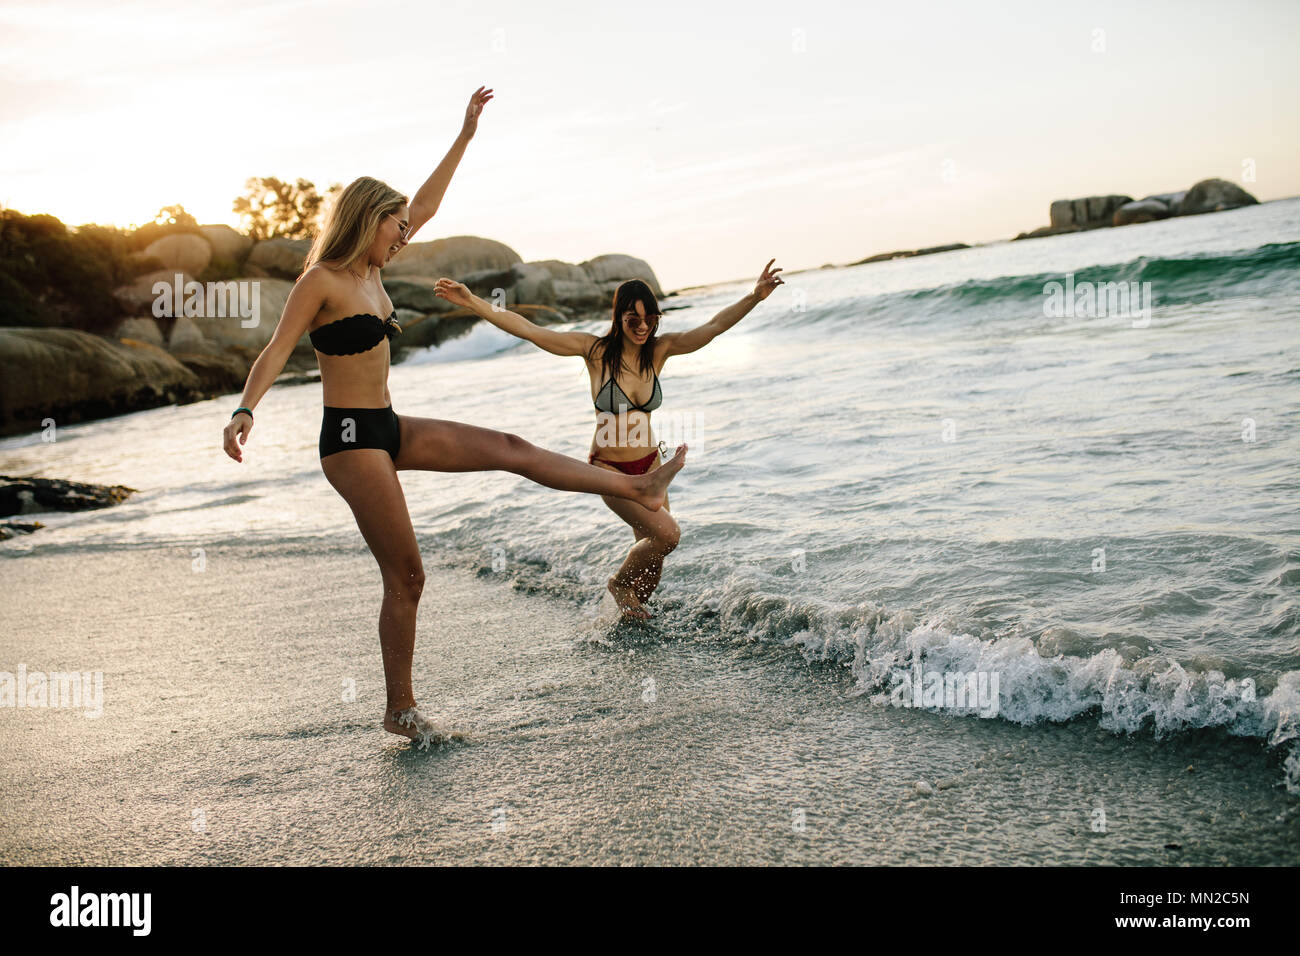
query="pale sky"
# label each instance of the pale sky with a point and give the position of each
(702, 137)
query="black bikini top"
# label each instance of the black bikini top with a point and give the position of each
(353, 334)
(605, 398)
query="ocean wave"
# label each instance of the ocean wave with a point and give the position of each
(883, 649)
(1175, 280)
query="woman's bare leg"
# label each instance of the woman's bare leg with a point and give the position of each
(367, 481)
(432, 444)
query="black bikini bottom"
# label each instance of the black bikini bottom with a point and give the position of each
(344, 429)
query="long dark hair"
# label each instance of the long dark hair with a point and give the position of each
(626, 296)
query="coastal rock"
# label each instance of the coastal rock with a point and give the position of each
(610, 270)
(564, 271)
(138, 297)
(573, 287)
(1213, 195)
(10, 528)
(279, 258)
(1042, 231)
(227, 243)
(225, 331)
(181, 252)
(71, 376)
(492, 285)
(454, 256)
(415, 293)
(219, 373)
(434, 330)
(26, 495)
(1142, 210)
(533, 284)
(143, 329)
(186, 336)
(909, 253)
(1089, 212)
(1173, 200)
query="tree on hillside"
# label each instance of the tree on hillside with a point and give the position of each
(174, 216)
(271, 208)
(169, 220)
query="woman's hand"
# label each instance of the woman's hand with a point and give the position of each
(476, 104)
(454, 292)
(239, 426)
(768, 281)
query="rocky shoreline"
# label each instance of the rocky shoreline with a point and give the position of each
(1099, 212)
(32, 495)
(64, 375)
(59, 375)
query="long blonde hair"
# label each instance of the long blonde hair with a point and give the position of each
(352, 221)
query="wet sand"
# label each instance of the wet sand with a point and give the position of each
(226, 739)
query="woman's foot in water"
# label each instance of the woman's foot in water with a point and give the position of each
(652, 487)
(411, 722)
(625, 597)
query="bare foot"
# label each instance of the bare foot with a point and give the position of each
(652, 488)
(626, 599)
(412, 723)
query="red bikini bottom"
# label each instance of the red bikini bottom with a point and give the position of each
(637, 466)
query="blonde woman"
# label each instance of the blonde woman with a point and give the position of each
(622, 442)
(338, 301)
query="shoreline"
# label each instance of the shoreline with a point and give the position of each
(225, 703)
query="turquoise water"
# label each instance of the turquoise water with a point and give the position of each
(891, 463)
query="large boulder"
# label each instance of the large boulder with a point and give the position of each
(186, 336)
(1212, 195)
(181, 252)
(218, 373)
(415, 293)
(1173, 200)
(1142, 210)
(454, 256)
(138, 297)
(142, 329)
(564, 271)
(609, 271)
(572, 286)
(278, 258)
(73, 376)
(1089, 212)
(533, 284)
(229, 330)
(226, 242)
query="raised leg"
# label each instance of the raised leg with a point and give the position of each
(433, 444)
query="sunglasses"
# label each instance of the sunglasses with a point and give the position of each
(633, 320)
(403, 229)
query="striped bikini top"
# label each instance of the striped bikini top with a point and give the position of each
(605, 399)
(353, 334)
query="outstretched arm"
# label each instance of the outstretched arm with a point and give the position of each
(305, 300)
(680, 343)
(550, 340)
(429, 196)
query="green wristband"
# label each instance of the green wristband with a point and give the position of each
(241, 408)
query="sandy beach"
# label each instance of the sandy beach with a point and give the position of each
(225, 739)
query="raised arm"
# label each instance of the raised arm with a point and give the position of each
(428, 197)
(551, 340)
(305, 300)
(680, 343)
